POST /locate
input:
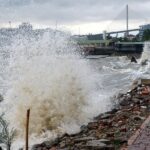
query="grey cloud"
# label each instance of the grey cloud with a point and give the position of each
(9, 3)
(70, 11)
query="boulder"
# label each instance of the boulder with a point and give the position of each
(95, 144)
(84, 139)
(45, 144)
(83, 128)
(93, 125)
(133, 59)
(1, 98)
(145, 81)
(105, 141)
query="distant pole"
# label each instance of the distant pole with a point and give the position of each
(127, 19)
(10, 24)
(27, 129)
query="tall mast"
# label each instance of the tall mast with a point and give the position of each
(127, 19)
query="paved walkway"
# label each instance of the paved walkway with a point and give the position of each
(141, 139)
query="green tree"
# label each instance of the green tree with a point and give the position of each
(146, 35)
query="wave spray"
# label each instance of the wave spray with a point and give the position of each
(47, 75)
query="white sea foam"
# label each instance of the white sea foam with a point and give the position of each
(49, 77)
(143, 71)
(146, 52)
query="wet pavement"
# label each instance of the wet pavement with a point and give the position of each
(141, 139)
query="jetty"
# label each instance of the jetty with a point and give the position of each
(115, 49)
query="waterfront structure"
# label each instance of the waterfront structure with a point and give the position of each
(25, 26)
(142, 29)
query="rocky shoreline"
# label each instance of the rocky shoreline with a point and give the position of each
(110, 130)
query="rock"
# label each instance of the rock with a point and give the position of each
(101, 127)
(123, 129)
(37, 147)
(120, 123)
(143, 107)
(145, 92)
(65, 135)
(120, 95)
(49, 144)
(105, 141)
(95, 144)
(110, 129)
(148, 108)
(131, 105)
(145, 62)
(106, 116)
(133, 59)
(134, 85)
(136, 100)
(113, 111)
(136, 112)
(145, 81)
(120, 140)
(93, 125)
(84, 139)
(45, 144)
(124, 102)
(78, 146)
(138, 118)
(110, 134)
(68, 141)
(84, 129)
(136, 108)
(1, 98)
(110, 147)
(53, 148)
(105, 122)
(62, 144)
(92, 132)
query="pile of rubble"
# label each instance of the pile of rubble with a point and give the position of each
(111, 130)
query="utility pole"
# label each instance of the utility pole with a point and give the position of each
(127, 20)
(9, 24)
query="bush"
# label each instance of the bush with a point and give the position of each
(6, 135)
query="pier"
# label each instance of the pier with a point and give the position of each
(118, 48)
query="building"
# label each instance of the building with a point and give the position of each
(142, 29)
(25, 26)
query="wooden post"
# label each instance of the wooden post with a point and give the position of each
(27, 129)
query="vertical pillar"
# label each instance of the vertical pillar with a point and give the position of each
(104, 35)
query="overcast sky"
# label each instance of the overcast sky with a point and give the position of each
(78, 16)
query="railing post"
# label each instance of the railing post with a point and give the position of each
(27, 130)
